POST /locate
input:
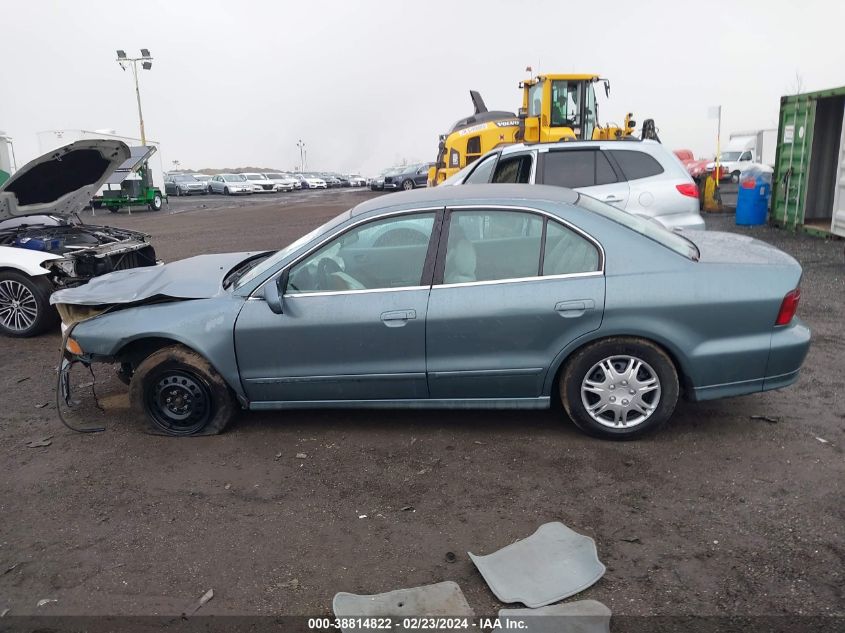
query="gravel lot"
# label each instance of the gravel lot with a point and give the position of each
(717, 514)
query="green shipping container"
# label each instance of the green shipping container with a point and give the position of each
(808, 190)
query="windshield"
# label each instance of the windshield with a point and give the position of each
(728, 156)
(275, 176)
(254, 177)
(278, 256)
(234, 178)
(644, 226)
(184, 178)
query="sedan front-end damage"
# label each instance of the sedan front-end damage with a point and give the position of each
(44, 246)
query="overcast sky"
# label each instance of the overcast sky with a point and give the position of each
(368, 84)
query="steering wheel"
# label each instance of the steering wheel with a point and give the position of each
(325, 267)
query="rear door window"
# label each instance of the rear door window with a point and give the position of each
(490, 245)
(635, 164)
(514, 169)
(577, 168)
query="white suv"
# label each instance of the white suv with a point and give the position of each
(640, 177)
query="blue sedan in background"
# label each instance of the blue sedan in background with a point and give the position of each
(493, 296)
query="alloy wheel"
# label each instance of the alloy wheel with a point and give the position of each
(18, 307)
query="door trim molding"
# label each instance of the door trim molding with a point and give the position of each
(543, 402)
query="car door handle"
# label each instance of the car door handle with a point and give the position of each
(575, 308)
(398, 318)
(612, 198)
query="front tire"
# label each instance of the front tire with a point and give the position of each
(226, 191)
(735, 176)
(25, 308)
(179, 393)
(619, 388)
(156, 204)
(408, 185)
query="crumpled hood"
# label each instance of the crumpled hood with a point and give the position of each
(717, 247)
(197, 277)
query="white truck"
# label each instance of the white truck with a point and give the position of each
(754, 148)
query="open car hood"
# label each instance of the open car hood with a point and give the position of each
(199, 277)
(62, 181)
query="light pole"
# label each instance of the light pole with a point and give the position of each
(302, 155)
(146, 64)
(176, 165)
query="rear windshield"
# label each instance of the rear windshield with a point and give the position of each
(644, 226)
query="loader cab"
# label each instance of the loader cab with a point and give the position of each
(559, 107)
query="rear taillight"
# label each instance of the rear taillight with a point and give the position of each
(788, 307)
(688, 189)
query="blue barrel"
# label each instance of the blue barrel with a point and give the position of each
(752, 202)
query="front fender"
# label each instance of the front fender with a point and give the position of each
(25, 260)
(204, 325)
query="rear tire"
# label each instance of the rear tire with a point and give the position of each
(25, 308)
(596, 388)
(179, 393)
(226, 191)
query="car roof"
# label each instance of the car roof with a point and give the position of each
(624, 144)
(480, 194)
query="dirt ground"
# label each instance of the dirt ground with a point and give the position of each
(718, 514)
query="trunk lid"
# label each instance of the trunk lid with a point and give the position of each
(62, 181)
(716, 247)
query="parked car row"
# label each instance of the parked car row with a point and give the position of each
(186, 184)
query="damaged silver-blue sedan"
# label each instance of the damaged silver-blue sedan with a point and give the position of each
(493, 296)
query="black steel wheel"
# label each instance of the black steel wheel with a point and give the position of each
(180, 393)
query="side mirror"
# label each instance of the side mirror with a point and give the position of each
(274, 293)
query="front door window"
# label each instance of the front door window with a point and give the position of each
(388, 253)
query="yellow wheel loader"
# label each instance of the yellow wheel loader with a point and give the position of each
(554, 108)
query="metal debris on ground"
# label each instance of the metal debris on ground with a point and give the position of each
(45, 601)
(552, 564)
(40, 443)
(208, 595)
(41, 405)
(408, 509)
(765, 418)
(4, 612)
(822, 440)
(440, 599)
(582, 616)
(301, 456)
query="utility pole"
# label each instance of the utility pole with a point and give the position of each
(302, 155)
(146, 64)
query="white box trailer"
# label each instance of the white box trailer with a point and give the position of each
(761, 143)
(52, 139)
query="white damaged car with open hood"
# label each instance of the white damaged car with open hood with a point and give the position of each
(44, 246)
